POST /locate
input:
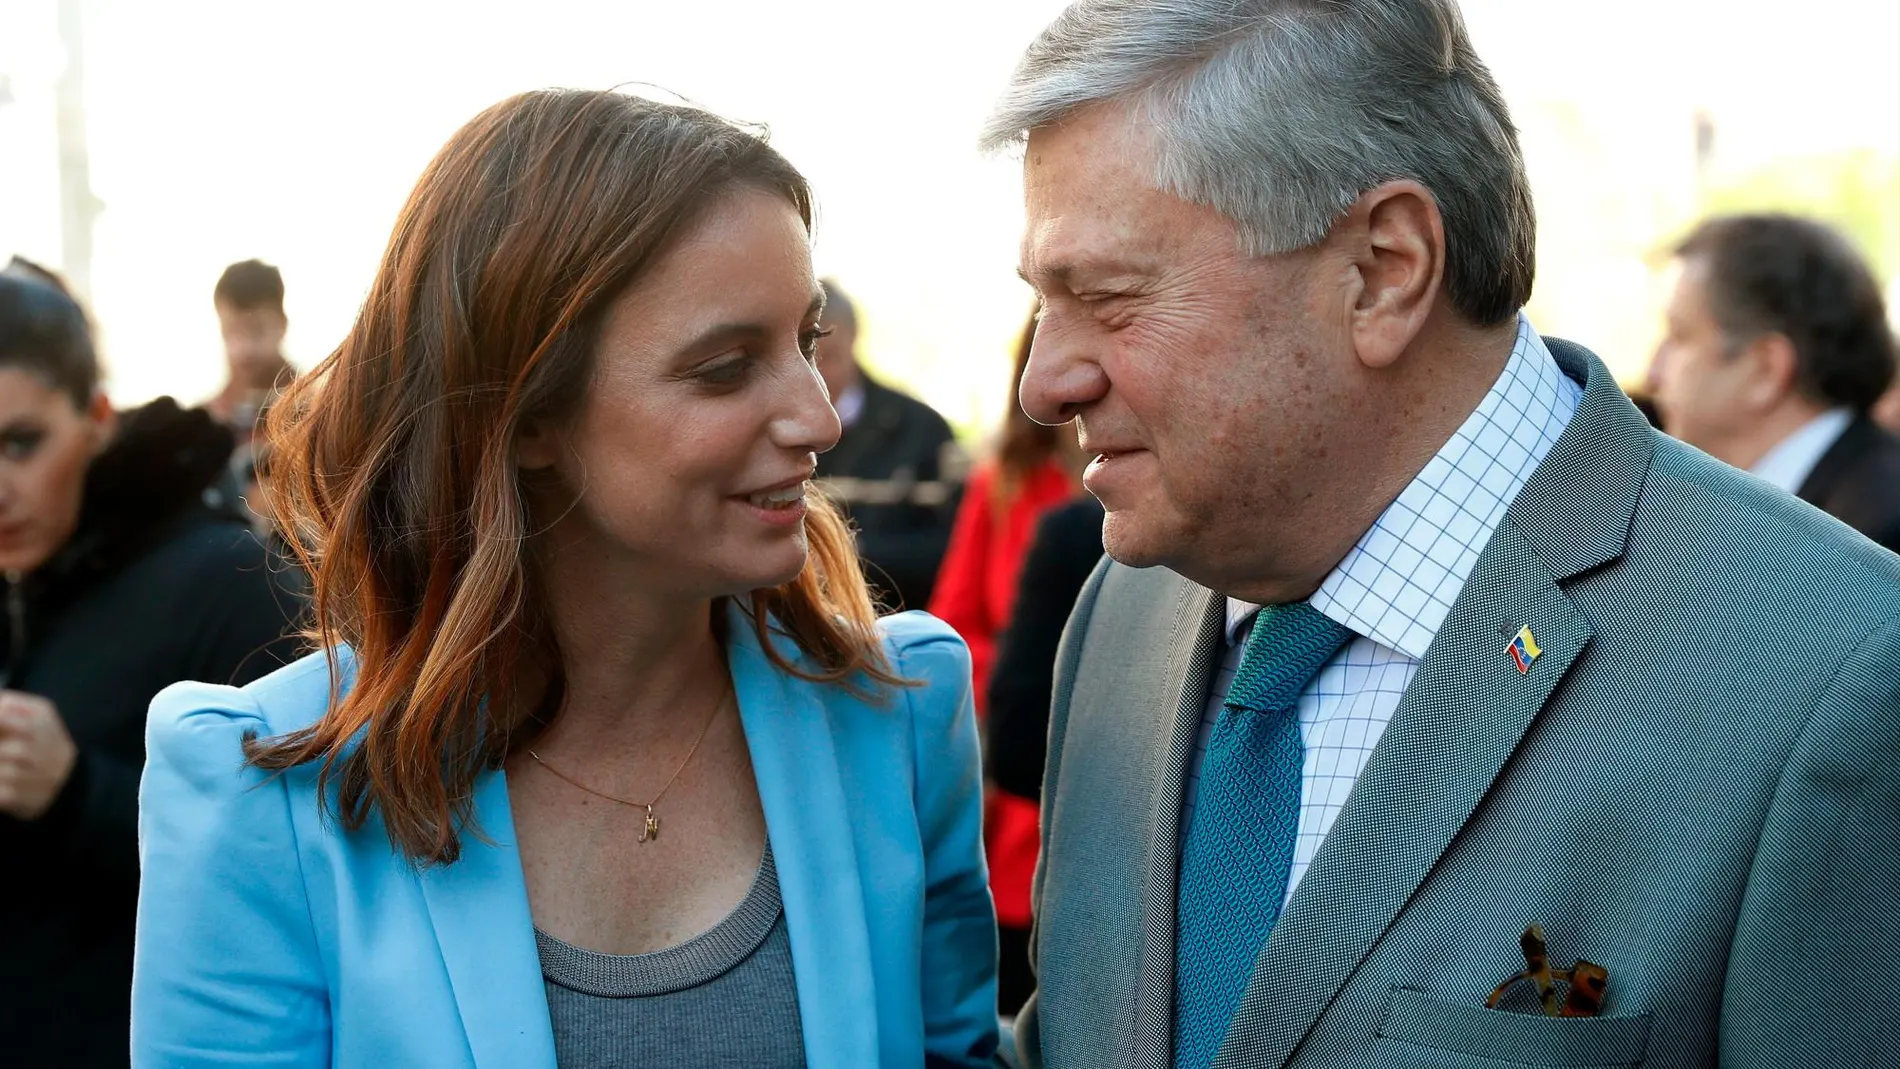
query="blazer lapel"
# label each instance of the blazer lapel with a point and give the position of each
(1199, 628)
(1462, 717)
(1464, 714)
(796, 765)
(479, 907)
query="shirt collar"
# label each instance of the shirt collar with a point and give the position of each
(1397, 584)
(1792, 460)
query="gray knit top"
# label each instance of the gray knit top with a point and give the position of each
(724, 998)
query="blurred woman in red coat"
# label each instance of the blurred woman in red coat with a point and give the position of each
(1034, 469)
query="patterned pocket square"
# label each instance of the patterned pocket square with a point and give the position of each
(1585, 983)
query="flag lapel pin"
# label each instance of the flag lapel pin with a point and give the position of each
(1524, 649)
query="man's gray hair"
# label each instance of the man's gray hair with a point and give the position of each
(1280, 113)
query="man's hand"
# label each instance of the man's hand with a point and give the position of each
(36, 754)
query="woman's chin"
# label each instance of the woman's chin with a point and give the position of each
(760, 573)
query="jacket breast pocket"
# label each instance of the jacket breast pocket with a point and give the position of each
(1427, 1031)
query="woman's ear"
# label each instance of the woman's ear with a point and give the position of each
(102, 420)
(536, 446)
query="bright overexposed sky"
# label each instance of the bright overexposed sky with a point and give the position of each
(220, 130)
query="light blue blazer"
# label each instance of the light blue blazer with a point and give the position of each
(267, 936)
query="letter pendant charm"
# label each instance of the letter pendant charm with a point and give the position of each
(651, 830)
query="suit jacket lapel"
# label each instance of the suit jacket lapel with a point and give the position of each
(1854, 443)
(1200, 620)
(1464, 714)
(795, 762)
(479, 907)
(1462, 717)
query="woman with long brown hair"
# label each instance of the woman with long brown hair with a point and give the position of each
(604, 759)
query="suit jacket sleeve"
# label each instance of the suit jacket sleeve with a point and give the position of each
(1817, 925)
(226, 968)
(1028, 1047)
(959, 938)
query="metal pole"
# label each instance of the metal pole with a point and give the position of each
(78, 208)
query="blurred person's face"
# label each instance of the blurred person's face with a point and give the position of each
(1887, 410)
(253, 338)
(691, 453)
(837, 356)
(46, 444)
(1215, 392)
(1710, 392)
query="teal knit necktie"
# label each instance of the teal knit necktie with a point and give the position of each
(1239, 848)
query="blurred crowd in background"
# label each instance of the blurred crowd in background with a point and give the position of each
(137, 544)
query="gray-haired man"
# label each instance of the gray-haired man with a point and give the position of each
(1522, 661)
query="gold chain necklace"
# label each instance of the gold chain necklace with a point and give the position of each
(651, 829)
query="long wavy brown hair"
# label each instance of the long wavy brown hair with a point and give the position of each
(392, 463)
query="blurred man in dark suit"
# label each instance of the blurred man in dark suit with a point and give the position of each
(897, 469)
(1777, 350)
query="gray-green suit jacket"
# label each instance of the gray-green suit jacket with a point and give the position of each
(1695, 786)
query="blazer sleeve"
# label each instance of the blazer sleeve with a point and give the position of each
(226, 969)
(959, 938)
(1817, 921)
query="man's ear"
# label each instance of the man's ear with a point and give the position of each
(102, 421)
(1397, 242)
(536, 446)
(1776, 371)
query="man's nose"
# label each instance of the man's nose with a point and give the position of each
(1061, 379)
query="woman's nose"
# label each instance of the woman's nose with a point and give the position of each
(807, 422)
